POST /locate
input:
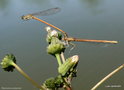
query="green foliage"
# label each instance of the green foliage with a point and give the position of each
(66, 70)
(7, 62)
(54, 83)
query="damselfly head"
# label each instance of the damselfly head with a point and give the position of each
(26, 17)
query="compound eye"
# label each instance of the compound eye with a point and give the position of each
(26, 17)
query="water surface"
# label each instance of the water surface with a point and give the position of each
(91, 19)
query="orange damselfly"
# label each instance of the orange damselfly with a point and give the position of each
(44, 13)
(66, 38)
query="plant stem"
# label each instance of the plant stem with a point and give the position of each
(108, 76)
(62, 57)
(27, 77)
(67, 86)
(58, 59)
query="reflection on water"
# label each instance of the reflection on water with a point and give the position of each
(4, 4)
(37, 2)
(4, 7)
(94, 5)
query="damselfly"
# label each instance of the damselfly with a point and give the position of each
(66, 38)
(44, 13)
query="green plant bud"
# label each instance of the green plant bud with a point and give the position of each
(7, 62)
(56, 46)
(54, 83)
(59, 82)
(53, 33)
(56, 34)
(68, 65)
(50, 83)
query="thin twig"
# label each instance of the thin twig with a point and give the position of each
(108, 76)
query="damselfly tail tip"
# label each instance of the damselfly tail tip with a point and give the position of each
(114, 42)
(111, 42)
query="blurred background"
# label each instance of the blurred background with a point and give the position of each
(88, 19)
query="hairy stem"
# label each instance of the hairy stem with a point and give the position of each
(62, 57)
(27, 77)
(58, 59)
